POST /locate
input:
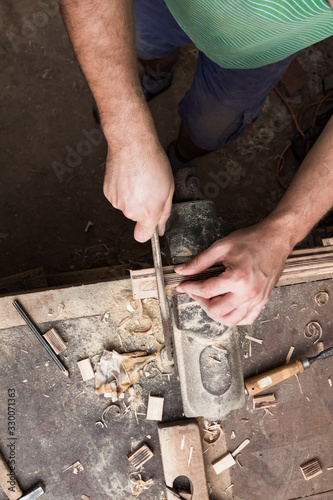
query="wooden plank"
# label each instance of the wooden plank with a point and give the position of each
(139, 457)
(311, 469)
(155, 408)
(315, 265)
(182, 455)
(63, 303)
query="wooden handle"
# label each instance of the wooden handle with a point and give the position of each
(8, 481)
(259, 383)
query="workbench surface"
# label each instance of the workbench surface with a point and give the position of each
(56, 417)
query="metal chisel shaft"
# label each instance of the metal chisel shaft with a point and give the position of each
(155, 244)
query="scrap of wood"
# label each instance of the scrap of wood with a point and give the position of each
(86, 369)
(264, 401)
(253, 339)
(85, 497)
(55, 341)
(290, 353)
(223, 463)
(228, 460)
(139, 457)
(181, 461)
(311, 469)
(302, 265)
(155, 408)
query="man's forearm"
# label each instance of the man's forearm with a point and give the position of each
(310, 196)
(102, 34)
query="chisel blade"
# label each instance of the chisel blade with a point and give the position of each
(155, 245)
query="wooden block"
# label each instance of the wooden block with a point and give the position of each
(223, 463)
(55, 341)
(155, 408)
(181, 452)
(327, 242)
(264, 401)
(311, 469)
(140, 456)
(86, 369)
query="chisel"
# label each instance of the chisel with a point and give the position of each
(259, 383)
(155, 245)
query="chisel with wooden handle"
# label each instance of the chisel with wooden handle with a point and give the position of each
(259, 383)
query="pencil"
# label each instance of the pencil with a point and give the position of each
(40, 338)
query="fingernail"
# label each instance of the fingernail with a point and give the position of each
(180, 267)
(161, 230)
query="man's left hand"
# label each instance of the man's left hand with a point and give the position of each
(254, 259)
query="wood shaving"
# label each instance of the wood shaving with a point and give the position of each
(290, 353)
(213, 431)
(320, 347)
(138, 485)
(107, 409)
(230, 486)
(313, 329)
(253, 339)
(218, 348)
(322, 298)
(237, 460)
(190, 456)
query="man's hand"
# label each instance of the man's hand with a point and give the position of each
(140, 184)
(254, 259)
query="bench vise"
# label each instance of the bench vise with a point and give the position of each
(207, 353)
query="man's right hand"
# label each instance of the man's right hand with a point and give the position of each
(139, 182)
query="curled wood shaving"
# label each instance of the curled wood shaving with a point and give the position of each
(322, 298)
(313, 329)
(138, 485)
(107, 409)
(213, 432)
(237, 460)
(253, 339)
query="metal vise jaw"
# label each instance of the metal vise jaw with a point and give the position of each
(207, 354)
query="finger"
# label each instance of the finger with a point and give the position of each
(206, 259)
(219, 307)
(144, 231)
(236, 316)
(209, 288)
(165, 215)
(252, 315)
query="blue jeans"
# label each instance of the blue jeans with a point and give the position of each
(221, 102)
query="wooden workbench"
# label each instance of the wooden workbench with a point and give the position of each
(56, 417)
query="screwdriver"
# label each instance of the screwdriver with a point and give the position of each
(263, 381)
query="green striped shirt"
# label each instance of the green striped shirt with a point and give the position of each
(252, 33)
